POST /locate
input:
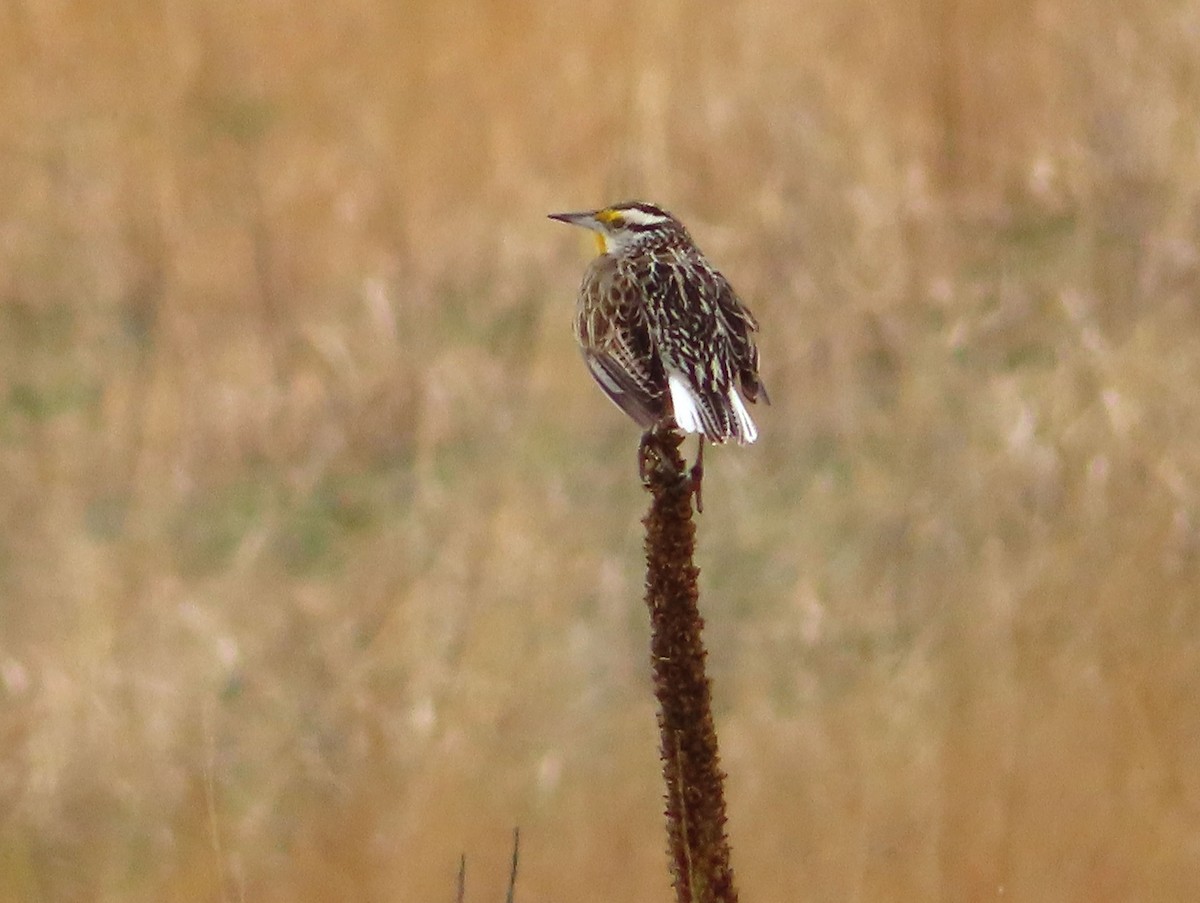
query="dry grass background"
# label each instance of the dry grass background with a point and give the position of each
(320, 556)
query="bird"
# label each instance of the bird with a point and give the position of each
(663, 333)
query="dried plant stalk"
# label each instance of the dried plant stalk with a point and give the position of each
(696, 841)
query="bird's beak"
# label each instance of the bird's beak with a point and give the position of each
(587, 219)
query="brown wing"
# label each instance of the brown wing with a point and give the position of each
(703, 336)
(629, 389)
(740, 325)
(615, 339)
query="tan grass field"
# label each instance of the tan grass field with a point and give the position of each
(320, 555)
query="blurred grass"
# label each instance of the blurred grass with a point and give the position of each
(320, 557)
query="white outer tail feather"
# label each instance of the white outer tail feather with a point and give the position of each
(747, 432)
(686, 406)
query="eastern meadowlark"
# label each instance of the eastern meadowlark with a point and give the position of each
(663, 333)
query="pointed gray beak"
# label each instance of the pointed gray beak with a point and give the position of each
(587, 219)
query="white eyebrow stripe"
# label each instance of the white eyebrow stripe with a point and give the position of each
(638, 217)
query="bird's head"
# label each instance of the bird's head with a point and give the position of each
(623, 226)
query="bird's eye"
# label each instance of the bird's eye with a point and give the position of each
(617, 222)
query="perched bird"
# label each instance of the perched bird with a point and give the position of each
(663, 333)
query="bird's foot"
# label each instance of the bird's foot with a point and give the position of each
(657, 456)
(651, 458)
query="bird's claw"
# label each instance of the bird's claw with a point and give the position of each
(652, 461)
